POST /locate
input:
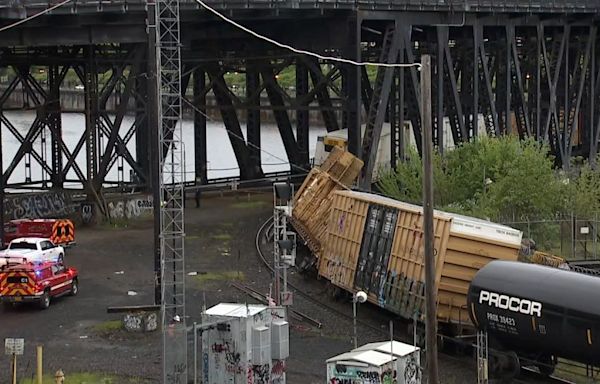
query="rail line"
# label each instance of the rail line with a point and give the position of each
(261, 232)
(528, 375)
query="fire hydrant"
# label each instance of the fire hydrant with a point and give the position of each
(59, 377)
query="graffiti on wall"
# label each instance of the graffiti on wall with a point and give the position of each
(278, 372)
(343, 374)
(262, 373)
(131, 208)
(140, 321)
(38, 206)
(87, 213)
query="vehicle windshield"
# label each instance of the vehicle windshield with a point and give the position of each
(22, 245)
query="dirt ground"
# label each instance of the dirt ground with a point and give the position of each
(78, 334)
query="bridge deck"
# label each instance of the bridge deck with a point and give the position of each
(20, 8)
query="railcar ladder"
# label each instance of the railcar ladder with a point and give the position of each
(482, 358)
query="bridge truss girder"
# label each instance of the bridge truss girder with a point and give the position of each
(104, 145)
(531, 79)
(525, 76)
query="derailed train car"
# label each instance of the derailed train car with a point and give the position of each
(537, 313)
(375, 244)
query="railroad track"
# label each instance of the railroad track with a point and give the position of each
(532, 374)
(528, 375)
(261, 233)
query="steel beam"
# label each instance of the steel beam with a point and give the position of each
(121, 111)
(367, 90)
(53, 121)
(571, 126)
(411, 85)
(438, 135)
(492, 118)
(142, 131)
(320, 86)
(379, 102)
(552, 81)
(282, 118)
(302, 114)
(352, 51)
(231, 122)
(200, 144)
(91, 118)
(520, 97)
(253, 121)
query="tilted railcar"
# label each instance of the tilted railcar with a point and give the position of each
(375, 244)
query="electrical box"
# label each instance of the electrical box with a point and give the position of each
(237, 344)
(280, 340)
(261, 345)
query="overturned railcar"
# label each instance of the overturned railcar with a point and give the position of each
(376, 244)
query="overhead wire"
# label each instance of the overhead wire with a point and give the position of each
(301, 51)
(257, 35)
(185, 100)
(41, 13)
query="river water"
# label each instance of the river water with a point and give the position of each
(221, 159)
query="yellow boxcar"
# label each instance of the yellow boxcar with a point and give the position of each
(375, 244)
(312, 202)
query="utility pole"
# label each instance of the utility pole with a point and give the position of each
(153, 123)
(430, 294)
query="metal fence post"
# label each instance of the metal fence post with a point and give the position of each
(195, 353)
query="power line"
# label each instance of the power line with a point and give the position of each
(41, 13)
(301, 51)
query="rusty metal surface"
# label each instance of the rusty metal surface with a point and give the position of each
(508, 6)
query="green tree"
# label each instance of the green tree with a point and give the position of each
(496, 178)
(582, 196)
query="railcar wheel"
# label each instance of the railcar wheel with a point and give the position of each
(546, 365)
(511, 365)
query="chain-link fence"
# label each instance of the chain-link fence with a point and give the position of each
(568, 236)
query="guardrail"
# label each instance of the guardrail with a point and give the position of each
(541, 6)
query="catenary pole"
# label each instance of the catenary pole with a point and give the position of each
(430, 296)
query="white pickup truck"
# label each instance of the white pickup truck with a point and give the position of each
(32, 249)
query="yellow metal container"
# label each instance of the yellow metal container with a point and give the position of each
(312, 202)
(375, 244)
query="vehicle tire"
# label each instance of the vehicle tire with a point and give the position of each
(45, 300)
(74, 287)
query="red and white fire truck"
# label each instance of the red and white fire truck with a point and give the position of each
(36, 282)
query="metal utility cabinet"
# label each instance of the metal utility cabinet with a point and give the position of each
(383, 362)
(244, 344)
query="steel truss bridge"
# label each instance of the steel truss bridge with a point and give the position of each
(529, 67)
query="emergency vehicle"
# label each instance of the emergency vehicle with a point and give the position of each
(36, 282)
(59, 231)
